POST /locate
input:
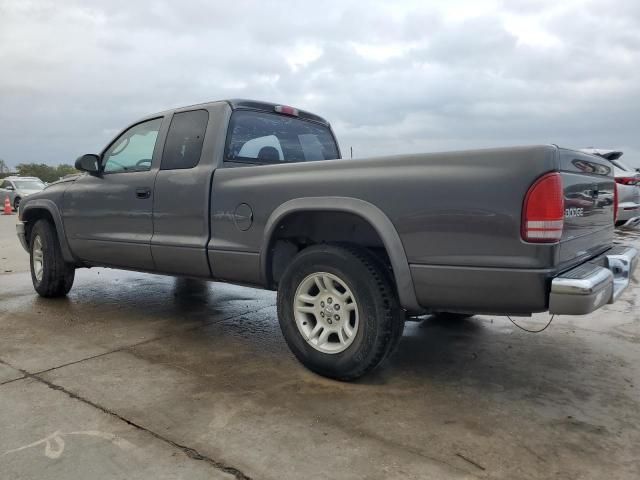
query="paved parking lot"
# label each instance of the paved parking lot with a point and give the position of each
(142, 376)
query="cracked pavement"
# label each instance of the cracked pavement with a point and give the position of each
(142, 376)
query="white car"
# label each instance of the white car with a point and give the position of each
(16, 188)
(628, 180)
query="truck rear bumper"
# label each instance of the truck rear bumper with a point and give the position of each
(591, 285)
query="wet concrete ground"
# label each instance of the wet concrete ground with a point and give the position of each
(143, 376)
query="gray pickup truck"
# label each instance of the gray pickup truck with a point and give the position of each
(239, 191)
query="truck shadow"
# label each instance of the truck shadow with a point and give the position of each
(485, 355)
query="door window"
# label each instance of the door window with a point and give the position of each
(133, 150)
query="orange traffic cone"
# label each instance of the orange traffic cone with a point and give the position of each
(7, 206)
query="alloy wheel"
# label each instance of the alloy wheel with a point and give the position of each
(326, 312)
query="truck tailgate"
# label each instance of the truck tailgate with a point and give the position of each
(589, 202)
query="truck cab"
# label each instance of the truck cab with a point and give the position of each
(148, 202)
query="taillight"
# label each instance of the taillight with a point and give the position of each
(615, 202)
(627, 180)
(543, 210)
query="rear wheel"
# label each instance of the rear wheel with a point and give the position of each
(338, 311)
(51, 276)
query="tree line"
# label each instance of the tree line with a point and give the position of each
(46, 173)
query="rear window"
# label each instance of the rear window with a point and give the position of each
(260, 137)
(29, 184)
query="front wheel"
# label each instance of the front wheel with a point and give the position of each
(338, 311)
(16, 203)
(51, 276)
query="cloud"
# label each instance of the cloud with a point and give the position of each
(392, 77)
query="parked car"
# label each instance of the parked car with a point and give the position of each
(255, 193)
(17, 188)
(628, 180)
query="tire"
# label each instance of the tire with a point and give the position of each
(398, 325)
(358, 282)
(51, 276)
(16, 203)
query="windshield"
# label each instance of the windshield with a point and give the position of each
(260, 137)
(29, 184)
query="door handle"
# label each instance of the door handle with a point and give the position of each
(143, 192)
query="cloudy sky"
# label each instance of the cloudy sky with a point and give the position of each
(392, 77)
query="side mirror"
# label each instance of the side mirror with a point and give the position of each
(88, 163)
(9, 187)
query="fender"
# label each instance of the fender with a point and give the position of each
(52, 208)
(367, 211)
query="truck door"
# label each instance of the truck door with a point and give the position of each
(181, 196)
(107, 217)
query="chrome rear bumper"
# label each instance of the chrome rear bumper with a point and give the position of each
(591, 285)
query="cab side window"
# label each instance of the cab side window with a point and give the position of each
(133, 150)
(184, 140)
